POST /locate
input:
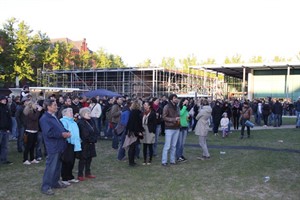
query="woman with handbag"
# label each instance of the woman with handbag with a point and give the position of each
(88, 135)
(246, 114)
(73, 146)
(134, 131)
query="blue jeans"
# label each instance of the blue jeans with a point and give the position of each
(157, 132)
(181, 141)
(3, 145)
(14, 128)
(298, 118)
(115, 138)
(52, 171)
(122, 152)
(171, 137)
(38, 149)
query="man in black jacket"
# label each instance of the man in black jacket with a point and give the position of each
(5, 127)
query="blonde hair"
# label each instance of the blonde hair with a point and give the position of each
(29, 107)
(135, 105)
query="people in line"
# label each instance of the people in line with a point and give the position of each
(54, 135)
(246, 114)
(88, 136)
(5, 127)
(171, 117)
(149, 125)
(184, 126)
(134, 131)
(32, 113)
(73, 147)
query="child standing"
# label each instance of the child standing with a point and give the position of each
(224, 124)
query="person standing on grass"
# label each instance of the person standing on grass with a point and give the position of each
(246, 114)
(216, 117)
(5, 127)
(124, 121)
(184, 126)
(134, 131)
(88, 136)
(74, 143)
(202, 128)
(32, 113)
(54, 135)
(171, 117)
(224, 125)
(149, 125)
(236, 108)
(158, 111)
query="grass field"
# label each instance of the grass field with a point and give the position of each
(237, 174)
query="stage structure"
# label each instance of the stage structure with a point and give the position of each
(143, 82)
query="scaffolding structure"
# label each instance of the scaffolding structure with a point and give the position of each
(143, 82)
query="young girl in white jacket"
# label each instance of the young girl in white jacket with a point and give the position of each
(224, 124)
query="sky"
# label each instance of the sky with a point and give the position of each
(138, 30)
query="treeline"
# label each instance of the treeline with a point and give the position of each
(24, 54)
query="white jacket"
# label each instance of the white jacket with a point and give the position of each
(96, 110)
(224, 122)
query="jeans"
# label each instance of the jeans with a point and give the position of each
(203, 144)
(171, 137)
(298, 118)
(277, 120)
(20, 142)
(243, 128)
(157, 133)
(39, 143)
(115, 137)
(121, 151)
(271, 118)
(96, 122)
(3, 145)
(131, 153)
(181, 141)
(14, 128)
(52, 172)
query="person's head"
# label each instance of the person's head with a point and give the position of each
(147, 105)
(225, 115)
(68, 112)
(3, 99)
(246, 104)
(173, 98)
(67, 101)
(75, 99)
(25, 88)
(204, 102)
(135, 105)
(155, 101)
(94, 100)
(85, 113)
(50, 106)
(119, 100)
(29, 107)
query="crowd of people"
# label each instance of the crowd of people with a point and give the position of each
(66, 128)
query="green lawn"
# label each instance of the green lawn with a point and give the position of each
(237, 174)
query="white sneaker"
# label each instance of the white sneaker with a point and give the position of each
(66, 183)
(27, 162)
(73, 180)
(34, 161)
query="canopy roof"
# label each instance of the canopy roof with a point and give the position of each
(236, 70)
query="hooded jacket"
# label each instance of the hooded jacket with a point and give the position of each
(202, 126)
